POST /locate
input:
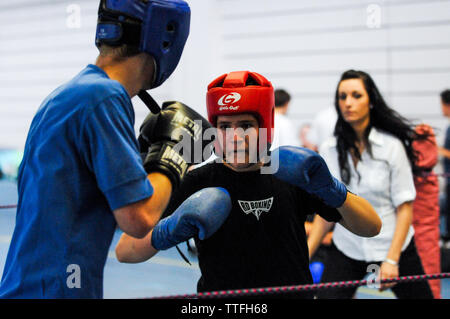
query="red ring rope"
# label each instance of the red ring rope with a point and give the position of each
(311, 287)
(7, 206)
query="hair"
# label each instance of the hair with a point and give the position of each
(445, 96)
(122, 51)
(382, 117)
(281, 97)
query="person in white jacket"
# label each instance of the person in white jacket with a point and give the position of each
(285, 132)
(322, 127)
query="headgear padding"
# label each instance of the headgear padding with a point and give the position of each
(242, 92)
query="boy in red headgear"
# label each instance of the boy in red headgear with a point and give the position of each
(262, 242)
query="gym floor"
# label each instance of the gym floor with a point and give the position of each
(165, 274)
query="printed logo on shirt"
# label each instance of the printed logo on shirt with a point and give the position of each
(256, 207)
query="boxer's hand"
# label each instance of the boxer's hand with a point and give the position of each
(307, 169)
(143, 147)
(160, 133)
(202, 214)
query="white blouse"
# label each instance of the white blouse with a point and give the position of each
(386, 182)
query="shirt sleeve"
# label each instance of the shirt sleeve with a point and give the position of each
(401, 178)
(110, 149)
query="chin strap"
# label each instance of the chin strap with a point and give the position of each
(149, 102)
(182, 255)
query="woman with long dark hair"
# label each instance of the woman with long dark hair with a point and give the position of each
(372, 153)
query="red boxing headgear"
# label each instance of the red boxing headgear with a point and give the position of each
(242, 92)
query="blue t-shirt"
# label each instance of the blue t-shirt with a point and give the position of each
(81, 161)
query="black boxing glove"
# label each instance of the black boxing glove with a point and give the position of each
(143, 147)
(174, 138)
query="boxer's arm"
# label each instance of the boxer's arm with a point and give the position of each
(201, 215)
(307, 170)
(359, 217)
(138, 218)
(159, 134)
(134, 250)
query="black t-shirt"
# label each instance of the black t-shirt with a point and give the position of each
(263, 241)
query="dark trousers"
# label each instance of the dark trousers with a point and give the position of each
(339, 267)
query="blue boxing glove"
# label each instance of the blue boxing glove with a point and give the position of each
(202, 214)
(306, 169)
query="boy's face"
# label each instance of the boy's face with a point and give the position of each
(238, 138)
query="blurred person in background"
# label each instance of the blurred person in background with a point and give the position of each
(444, 152)
(372, 155)
(284, 131)
(322, 127)
(303, 137)
(426, 206)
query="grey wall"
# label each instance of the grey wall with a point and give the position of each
(302, 46)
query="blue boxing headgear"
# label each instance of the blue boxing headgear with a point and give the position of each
(157, 27)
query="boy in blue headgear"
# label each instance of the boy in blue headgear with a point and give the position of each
(82, 173)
